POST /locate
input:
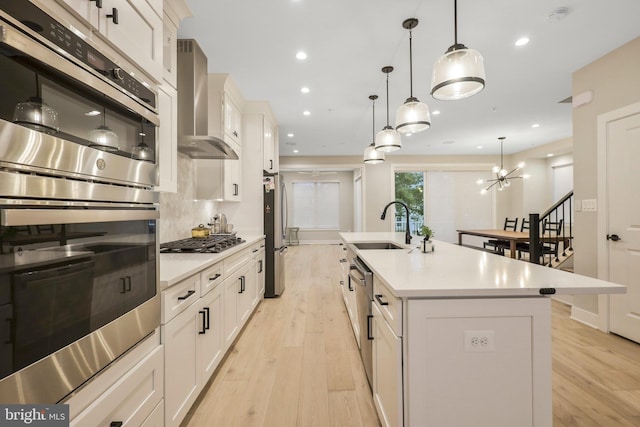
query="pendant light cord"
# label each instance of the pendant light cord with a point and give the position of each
(373, 122)
(410, 66)
(387, 99)
(455, 22)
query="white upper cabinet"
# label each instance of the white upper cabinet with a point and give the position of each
(132, 28)
(270, 148)
(225, 109)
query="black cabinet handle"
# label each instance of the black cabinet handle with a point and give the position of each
(379, 299)
(613, 237)
(369, 317)
(204, 322)
(98, 3)
(128, 286)
(189, 293)
(270, 164)
(116, 424)
(113, 15)
(211, 279)
(207, 316)
(236, 189)
(260, 264)
(123, 282)
(254, 251)
(241, 278)
(349, 284)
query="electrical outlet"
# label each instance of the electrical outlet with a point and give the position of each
(479, 341)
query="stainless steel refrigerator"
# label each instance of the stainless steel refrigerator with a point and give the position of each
(275, 227)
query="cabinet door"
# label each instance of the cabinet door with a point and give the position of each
(83, 9)
(211, 338)
(233, 178)
(247, 292)
(387, 371)
(168, 139)
(182, 363)
(231, 291)
(260, 259)
(136, 21)
(268, 146)
(232, 118)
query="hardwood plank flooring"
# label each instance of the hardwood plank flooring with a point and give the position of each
(296, 363)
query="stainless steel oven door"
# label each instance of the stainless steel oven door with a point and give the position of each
(78, 285)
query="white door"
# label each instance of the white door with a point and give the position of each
(623, 152)
(357, 204)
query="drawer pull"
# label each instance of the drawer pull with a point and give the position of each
(369, 317)
(98, 3)
(204, 322)
(113, 15)
(184, 297)
(254, 251)
(379, 299)
(116, 424)
(211, 279)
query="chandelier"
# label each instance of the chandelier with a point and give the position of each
(502, 175)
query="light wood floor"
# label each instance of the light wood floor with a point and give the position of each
(297, 363)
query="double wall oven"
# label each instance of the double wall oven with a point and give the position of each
(78, 213)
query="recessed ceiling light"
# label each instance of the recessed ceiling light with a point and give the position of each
(92, 113)
(304, 89)
(535, 125)
(550, 155)
(301, 56)
(448, 142)
(290, 135)
(408, 134)
(435, 112)
(295, 151)
(306, 112)
(522, 41)
(479, 147)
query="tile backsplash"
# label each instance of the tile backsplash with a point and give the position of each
(180, 211)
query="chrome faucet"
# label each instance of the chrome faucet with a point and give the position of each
(407, 235)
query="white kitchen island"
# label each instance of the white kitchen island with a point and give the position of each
(462, 337)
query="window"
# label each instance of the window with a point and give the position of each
(444, 200)
(316, 205)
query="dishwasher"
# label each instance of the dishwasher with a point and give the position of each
(362, 276)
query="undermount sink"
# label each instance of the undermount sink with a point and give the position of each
(377, 245)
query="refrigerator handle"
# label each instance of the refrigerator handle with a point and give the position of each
(282, 249)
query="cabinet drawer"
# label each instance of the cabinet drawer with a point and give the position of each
(180, 296)
(211, 277)
(390, 306)
(234, 262)
(131, 399)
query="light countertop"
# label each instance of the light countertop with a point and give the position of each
(175, 267)
(454, 271)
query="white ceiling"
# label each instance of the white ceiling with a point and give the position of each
(349, 41)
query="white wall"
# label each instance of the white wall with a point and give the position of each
(346, 205)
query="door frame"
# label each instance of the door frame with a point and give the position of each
(602, 224)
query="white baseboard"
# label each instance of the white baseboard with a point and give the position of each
(565, 299)
(585, 317)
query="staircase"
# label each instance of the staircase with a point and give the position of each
(562, 211)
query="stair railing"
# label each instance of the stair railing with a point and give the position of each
(561, 211)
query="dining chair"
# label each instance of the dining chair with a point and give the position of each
(500, 245)
(551, 229)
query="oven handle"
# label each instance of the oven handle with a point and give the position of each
(16, 217)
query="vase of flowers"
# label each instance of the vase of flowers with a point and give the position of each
(427, 244)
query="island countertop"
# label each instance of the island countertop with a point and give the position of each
(453, 271)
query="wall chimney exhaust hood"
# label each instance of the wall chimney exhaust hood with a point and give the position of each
(193, 137)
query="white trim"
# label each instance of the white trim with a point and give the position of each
(602, 225)
(585, 317)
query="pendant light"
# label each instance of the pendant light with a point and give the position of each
(36, 115)
(413, 115)
(388, 139)
(502, 175)
(459, 73)
(102, 137)
(371, 155)
(142, 151)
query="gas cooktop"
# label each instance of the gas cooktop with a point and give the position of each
(213, 244)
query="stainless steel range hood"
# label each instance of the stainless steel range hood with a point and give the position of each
(193, 136)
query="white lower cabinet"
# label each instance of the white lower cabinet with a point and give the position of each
(239, 293)
(193, 348)
(131, 399)
(156, 418)
(260, 260)
(387, 370)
